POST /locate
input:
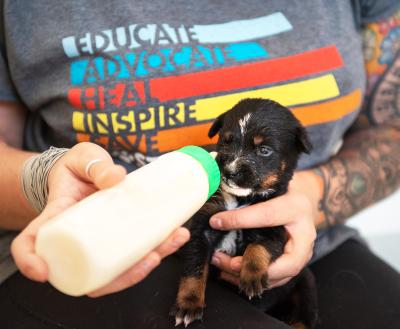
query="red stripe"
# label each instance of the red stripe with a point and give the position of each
(245, 76)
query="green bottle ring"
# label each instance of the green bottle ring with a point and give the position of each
(208, 163)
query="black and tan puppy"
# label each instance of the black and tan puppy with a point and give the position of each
(259, 144)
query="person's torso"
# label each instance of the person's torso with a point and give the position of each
(142, 78)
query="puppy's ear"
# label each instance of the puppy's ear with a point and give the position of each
(216, 126)
(303, 143)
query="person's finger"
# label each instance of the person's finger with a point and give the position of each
(23, 246)
(226, 263)
(130, 277)
(106, 174)
(291, 263)
(278, 283)
(273, 212)
(92, 163)
(30, 265)
(232, 279)
(176, 240)
(236, 263)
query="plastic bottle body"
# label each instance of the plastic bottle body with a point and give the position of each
(97, 239)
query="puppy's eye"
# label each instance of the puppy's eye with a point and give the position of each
(265, 151)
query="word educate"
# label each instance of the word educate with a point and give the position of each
(159, 35)
(133, 36)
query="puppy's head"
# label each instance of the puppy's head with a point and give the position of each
(259, 144)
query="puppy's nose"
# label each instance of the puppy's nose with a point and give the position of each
(232, 174)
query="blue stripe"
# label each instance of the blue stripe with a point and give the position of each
(244, 30)
(132, 65)
(246, 51)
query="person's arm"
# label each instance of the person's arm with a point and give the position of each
(67, 184)
(365, 170)
(15, 211)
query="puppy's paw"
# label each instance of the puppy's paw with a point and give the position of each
(186, 315)
(253, 282)
(190, 299)
(253, 275)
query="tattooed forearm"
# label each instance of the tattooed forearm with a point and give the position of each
(383, 104)
(382, 63)
(366, 170)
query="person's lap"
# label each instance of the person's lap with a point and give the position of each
(356, 290)
(145, 305)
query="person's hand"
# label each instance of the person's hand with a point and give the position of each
(69, 183)
(296, 211)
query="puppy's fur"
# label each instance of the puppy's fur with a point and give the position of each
(259, 144)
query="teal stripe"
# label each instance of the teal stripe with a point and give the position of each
(121, 67)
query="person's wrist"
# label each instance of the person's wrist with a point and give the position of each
(311, 185)
(35, 174)
(24, 205)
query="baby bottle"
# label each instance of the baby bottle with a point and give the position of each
(100, 237)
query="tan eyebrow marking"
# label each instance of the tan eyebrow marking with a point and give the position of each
(283, 166)
(228, 135)
(258, 140)
(270, 180)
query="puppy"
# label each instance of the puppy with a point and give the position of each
(259, 144)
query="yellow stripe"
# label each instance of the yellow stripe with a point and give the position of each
(295, 93)
(77, 121)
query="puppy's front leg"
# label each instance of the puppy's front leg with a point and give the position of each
(253, 275)
(191, 294)
(196, 254)
(190, 300)
(265, 246)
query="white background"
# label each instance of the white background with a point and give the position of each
(380, 225)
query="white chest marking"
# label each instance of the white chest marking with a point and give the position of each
(229, 241)
(230, 201)
(228, 245)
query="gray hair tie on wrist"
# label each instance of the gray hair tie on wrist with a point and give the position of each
(35, 174)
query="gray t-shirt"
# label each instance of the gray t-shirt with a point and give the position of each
(142, 78)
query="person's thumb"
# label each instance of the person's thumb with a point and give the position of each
(93, 163)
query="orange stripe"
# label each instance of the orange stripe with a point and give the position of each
(171, 139)
(82, 137)
(104, 141)
(328, 111)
